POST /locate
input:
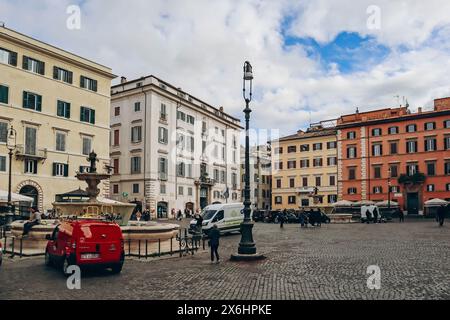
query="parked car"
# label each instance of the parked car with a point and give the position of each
(86, 242)
(292, 217)
(258, 215)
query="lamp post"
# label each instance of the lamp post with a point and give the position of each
(11, 145)
(247, 248)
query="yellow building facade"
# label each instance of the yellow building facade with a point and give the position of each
(304, 170)
(58, 103)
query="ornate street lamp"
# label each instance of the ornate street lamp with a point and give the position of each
(11, 144)
(247, 248)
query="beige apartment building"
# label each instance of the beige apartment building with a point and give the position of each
(304, 169)
(59, 104)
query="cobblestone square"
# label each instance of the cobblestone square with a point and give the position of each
(315, 263)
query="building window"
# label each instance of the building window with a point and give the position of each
(332, 161)
(376, 132)
(351, 173)
(4, 94)
(292, 200)
(137, 106)
(317, 162)
(278, 183)
(190, 119)
(60, 170)
(2, 164)
(411, 128)
(318, 181)
(351, 135)
(304, 163)
(190, 191)
(135, 187)
(33, 65)
(377, 172)
(291, 183)
(163, 112)
(395, 189)
(291, 164)
(135, 165)
(447, 143)
(430, 187)
(87, 83)
(162, 189)
(8, 57)
(447, 168)
(181, 116)
(115, 188)
(278, 200)
(431, 168)
(377, 190)
(32, 101)
(87, 145)
(63, 109)
(3, 132)
(30, 140)
(30, 166)
(292, 149)
(447, 187)
(394, 171)
(304, 181)
(393, 130)
(351, 152)
(411, 146)
(116, 165)
(332, 198)
(162, 168)
(60, 141)
(332, 180)
(351, 191)
(278, 150)
(163, 135)
(116, 137)
(317, 146)
(181, 169)
(136, 134)
(430, 126)
(87, 115)
(430, 144)
(305, 202)
(411, 169)
(447, 124)
(304, 147)
(117, 111)
(377, 150)
(393, 146)
(331, 145)
(62, 75)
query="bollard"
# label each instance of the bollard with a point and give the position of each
(129, 247)
(159, 247)
(171, 245)
(21, 247)
(146, 248)
(179, 243)
(139, 249)
(12, 247)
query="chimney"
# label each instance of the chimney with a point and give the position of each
(123, 80)
(221, 109)
(441, 104)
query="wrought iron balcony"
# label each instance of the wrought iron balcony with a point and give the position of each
(38, 154)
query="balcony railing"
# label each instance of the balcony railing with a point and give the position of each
(21, 152)
(162, 176)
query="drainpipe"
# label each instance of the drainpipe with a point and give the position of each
(145, 145)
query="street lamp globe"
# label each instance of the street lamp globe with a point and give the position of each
(248, 73)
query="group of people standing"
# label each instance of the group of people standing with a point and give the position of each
(139, 216)
(187, 213)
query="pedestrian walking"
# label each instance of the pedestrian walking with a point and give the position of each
(441, 215)
(282, 217)
(214, 236)
(375, 215)
(401, 216)
(179, 215)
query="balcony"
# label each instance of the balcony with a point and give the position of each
(38, 154)
(205, 181)
(162, 176)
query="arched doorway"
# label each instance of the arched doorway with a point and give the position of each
(31, 192)
(161, 210)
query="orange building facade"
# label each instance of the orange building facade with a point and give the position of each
(410, 152)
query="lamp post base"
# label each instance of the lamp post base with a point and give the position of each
(247, 248)
(247, 257)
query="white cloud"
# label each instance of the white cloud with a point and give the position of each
(201, 46)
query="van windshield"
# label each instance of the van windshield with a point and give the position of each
(208, 214)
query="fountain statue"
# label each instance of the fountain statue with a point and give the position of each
(96, 207)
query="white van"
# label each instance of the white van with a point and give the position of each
(371, 209)
(228, 218)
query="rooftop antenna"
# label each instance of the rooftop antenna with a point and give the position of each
(2, 24)
(310, 121)
(407, 103)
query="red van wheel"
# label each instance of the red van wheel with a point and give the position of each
(48, 259)
(117, 268)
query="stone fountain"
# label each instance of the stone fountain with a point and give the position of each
(135, 232)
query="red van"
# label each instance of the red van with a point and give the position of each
(86, 243)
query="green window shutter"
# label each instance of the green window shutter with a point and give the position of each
(92, 116)
(25, 99)
(59, 109)
(13, 58)
(94, 83)
(54, 168)
(82, 114)
(4, 94)
(70, 77)
(67, 115)
(42, 67)
(66, 170)
(35, 166)
(82, 82)
(38, 103)
(55, 72)
(25, 62)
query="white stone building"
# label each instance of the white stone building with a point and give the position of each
(260, 176)
(171, 150)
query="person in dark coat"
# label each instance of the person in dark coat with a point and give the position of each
(368, 216)
(282, 217)
(375, 215)
(214, 236)
(401, 216)
(441, 215)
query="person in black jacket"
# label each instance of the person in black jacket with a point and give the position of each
(441, 215)
(214, 236)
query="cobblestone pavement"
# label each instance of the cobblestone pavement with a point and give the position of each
(314, 263)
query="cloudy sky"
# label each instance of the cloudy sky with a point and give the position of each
(312, 60)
